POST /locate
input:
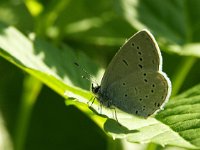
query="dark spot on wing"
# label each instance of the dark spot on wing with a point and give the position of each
(143, 108)
(125, 62)
(135, 89)
(140, 66)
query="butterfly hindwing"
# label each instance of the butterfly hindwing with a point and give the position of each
(138, 94)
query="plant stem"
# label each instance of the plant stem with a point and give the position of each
(182, 71)
(31, 89)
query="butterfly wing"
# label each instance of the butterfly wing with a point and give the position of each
(133, 72)
(140, 94)
(140, 52)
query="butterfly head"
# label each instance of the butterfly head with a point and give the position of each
(95, 88)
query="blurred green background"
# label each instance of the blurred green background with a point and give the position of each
(95, 30)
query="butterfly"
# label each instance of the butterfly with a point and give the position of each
(134, 81)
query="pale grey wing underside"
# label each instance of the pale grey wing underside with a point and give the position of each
(140, 52)
(138, 93)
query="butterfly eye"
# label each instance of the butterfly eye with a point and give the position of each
(95, 89)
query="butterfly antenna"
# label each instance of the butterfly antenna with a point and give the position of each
(88, 77)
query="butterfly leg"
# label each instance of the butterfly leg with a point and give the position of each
(100, 108)
(114, 114)
(92, 99)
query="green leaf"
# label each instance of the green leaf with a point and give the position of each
(53, 66)
(97, 26)
(174, 22)
(175, 125)
(178, 124)
(16, 13)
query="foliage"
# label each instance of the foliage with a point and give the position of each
(42, 40)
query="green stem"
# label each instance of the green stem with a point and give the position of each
(182, 71)
(152, 146)
(114, 144)
(31, 89)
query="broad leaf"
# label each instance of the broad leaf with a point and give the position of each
(177, 124)
(174, 22)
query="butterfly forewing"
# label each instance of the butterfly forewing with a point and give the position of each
(137, 54)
